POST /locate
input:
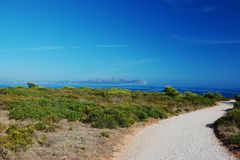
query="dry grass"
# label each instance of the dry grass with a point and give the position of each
(74, 140)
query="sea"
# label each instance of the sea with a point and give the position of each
(227, 92)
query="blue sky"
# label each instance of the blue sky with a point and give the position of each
(190, 42)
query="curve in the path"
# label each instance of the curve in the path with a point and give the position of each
(185, 137)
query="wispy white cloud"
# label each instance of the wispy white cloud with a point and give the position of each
(44, 48)
(35, 49)
(112, 46)
(205, 41)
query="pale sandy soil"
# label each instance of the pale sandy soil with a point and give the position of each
(73, 141)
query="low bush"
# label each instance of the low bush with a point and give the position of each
(107, 121)
(120, 116)
(237, 105)
(223, 121)
(40, 126)
(45, 109)
(45, 126)
(170, 91)
(17, 138)
(189, 94)
(234, 116)
(31, 85)
(237, 98)
(214, 96)
(235, 139)
(105, 134)
(117, 91)
(140, 113)
(111, 118)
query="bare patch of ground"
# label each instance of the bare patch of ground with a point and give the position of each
(73, 141)
(4, 117)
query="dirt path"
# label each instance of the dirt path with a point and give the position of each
(185, 137)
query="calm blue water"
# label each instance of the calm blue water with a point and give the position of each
(227, 92)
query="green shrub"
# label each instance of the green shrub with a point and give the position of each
(170, 91)
(105, 134)
(40, 126)
(140, 113)
(107, 121)
(12, 128)
(189, 94)
(51, 128)
(223, 121)
(121, 116)
(94, 115)
(237, 98)
(117, 91)
(235, 139)
(51, 118)
(214, 96)
(109, 118)
(237, 105)
(17, 138)
(32, 85)
(44, 109)
(47, 127)
(234, 115)
(155, 112)
(19, 87)
(68, 87)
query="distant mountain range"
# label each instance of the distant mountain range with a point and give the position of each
(93, 81)
(106, 81)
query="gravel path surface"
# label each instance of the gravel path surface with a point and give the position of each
(185, 137)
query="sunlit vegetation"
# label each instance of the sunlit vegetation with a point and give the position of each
(228, 127)
(214, 96)
(105, 134)
(17, 138)
(101, 108)
(170, 91)
(237, 98)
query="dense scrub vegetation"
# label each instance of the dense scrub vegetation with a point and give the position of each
(228, 127)
(101, 108)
